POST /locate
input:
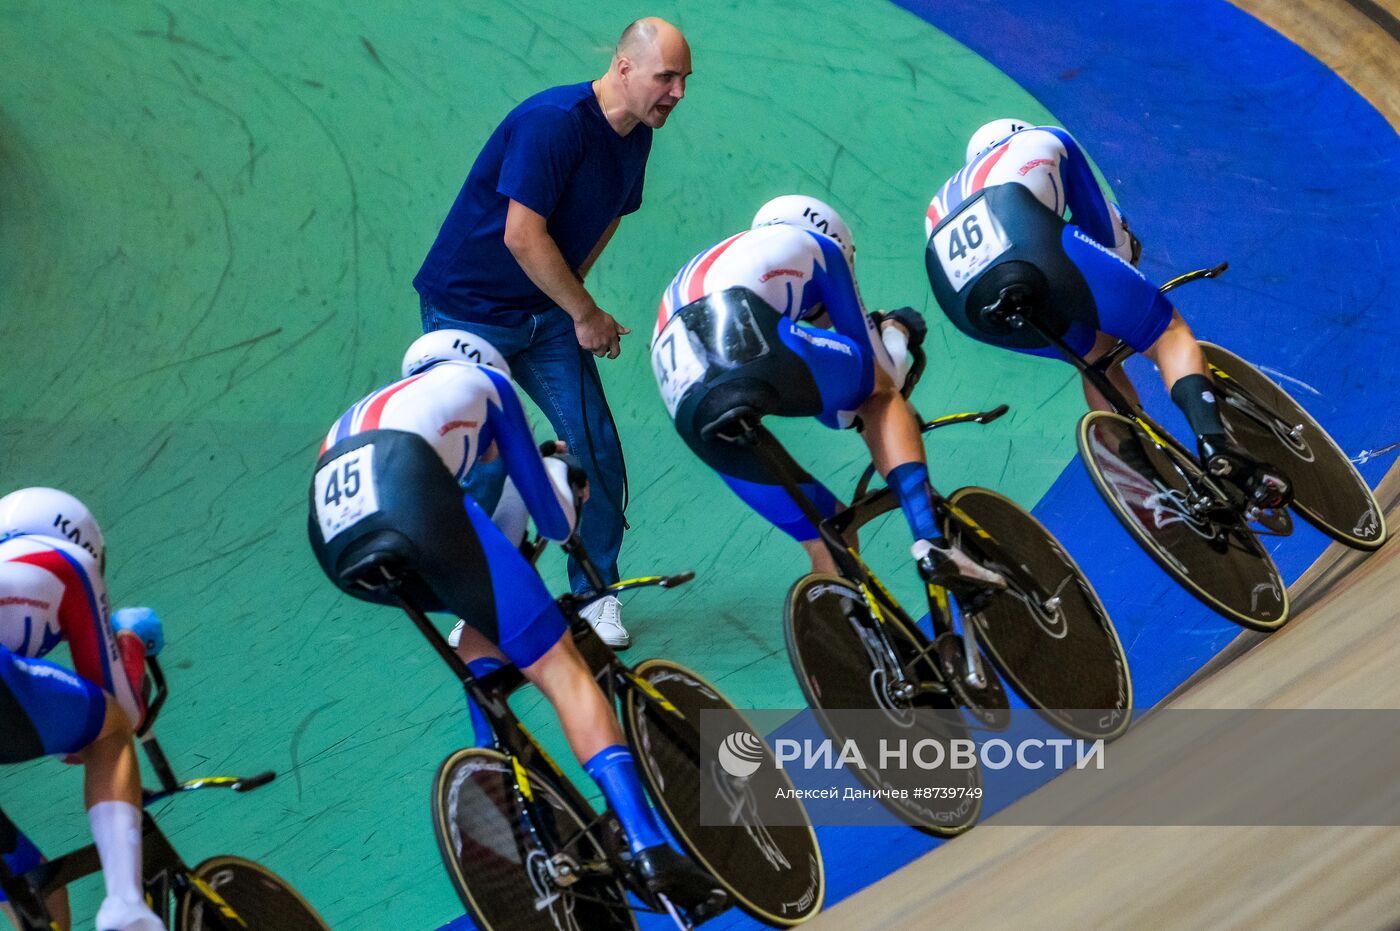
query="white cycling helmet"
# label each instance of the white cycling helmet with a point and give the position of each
(990, 134)
(49, 512)
(451, 346)
(809, 213)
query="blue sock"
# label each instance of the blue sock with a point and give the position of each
(910, 484)
(481, 726)
(615, 771)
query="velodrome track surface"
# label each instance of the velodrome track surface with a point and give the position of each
(209, 224)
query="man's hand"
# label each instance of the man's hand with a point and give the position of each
(599, 333)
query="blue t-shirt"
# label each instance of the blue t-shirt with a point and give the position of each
(557, 154)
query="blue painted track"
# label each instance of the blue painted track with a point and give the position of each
(1222, 140)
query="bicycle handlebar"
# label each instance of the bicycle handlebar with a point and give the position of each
(574, 547)
(1199, 274)
(236, 783)
(163, 770)
(948, 420)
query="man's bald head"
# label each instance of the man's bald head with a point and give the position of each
(650, 65)
(645, 35)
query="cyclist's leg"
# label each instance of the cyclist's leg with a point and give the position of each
(112, 793)
(780, 387)
(531, 631)
(482, 658)
(852, 385)
(1132, 309)
(591, 727)
(69, 715)
(1103, 342)
(776, 506)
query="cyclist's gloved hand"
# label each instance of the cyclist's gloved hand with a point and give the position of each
(145, 624)
(912, 321)
(1134, 244)
(558, 449)
(1136, 247)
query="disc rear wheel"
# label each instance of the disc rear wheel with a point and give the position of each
(845, 671)
(511, 871)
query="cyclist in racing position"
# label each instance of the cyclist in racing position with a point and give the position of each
(1012, 243)
(52, 559)
(387, 478)
(789, 274)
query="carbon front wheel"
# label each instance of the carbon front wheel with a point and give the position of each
(231, 892)
(770, 864)
(1327, 490)
(1047, 633)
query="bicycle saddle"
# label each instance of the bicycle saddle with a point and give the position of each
(732, 425)
(376, 569)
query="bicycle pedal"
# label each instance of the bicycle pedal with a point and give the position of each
(1269, 494)
(1220, 466)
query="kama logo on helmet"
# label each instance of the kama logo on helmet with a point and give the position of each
(64, 528)
(819, 223)
(467, 350)
(740, 754)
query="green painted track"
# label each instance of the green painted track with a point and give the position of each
(208, 225)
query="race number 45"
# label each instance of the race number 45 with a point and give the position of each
(345, 491)
(969, 242)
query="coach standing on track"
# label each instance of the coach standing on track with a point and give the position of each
(540, 204)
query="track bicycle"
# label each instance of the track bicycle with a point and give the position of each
(523, 847)
(1196, 526)
(853, 646)
(222, 893)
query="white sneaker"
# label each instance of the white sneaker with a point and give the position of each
(605, 616)
(455, 638)
(123, 915)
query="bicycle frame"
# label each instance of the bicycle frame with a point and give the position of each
(878, 599)
(1096, 373)
(491, 691)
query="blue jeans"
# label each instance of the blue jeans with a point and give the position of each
(562, 378)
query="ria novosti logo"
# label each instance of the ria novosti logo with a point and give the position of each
(740, 754)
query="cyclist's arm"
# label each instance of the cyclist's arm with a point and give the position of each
(1087, 205)
(551, 507)
(842, 304)
(83, 618)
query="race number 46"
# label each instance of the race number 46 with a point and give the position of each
(345, 491)
(968, 243)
